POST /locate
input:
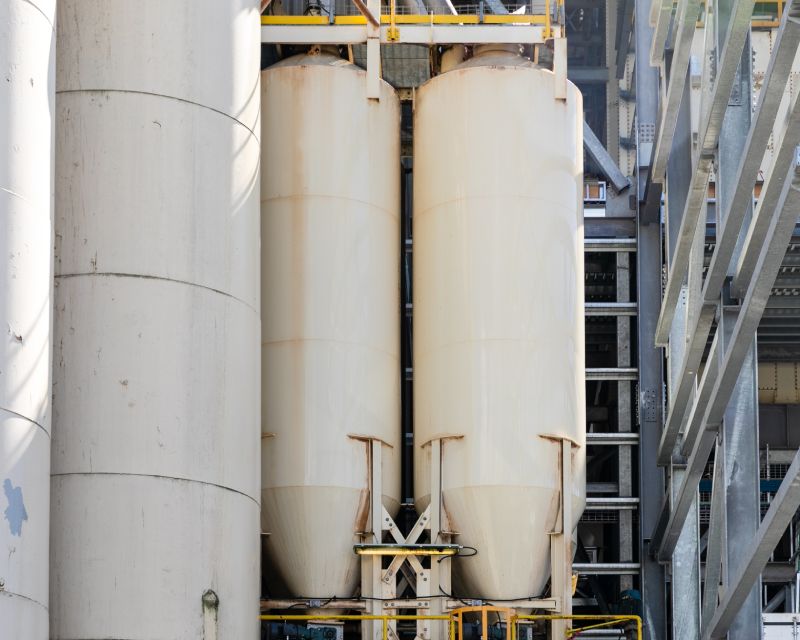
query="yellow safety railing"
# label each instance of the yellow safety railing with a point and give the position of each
(547, 25)
(393, 33)
(761, 23)
(455, 620)
(398, 18)
(601, 621)
(484, 611)
(385, 620)
(759, 20)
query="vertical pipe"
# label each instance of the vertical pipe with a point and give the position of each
(406, 359)
(27, 85)
(155, 471)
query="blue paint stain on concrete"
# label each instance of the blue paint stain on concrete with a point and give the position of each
(15, 512)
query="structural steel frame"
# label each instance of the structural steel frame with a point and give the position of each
(712, 400)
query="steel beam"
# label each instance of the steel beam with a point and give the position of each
(612, 83)
(409, 34)
(365, 11)
(686, 494)
(741, 482)
(771, 192)
(679, 179)
(755, 556)
(687, 13)
(711, 123)
(662, 13)
(769, 100)
(612, 504)
(610, 309)
(682, 388)
(774, 87)
(686, 575)
(612, 374)
(685, 561)
(716, 540)
(611, 439)
(623, 45)
(777, 237)
(606, 568)
(600, 155)
(741, 12)
(701, 398)
(609, 245)
(679, 263)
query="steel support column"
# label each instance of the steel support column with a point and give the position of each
(624, 453)
(651, 490)
(685, 560)
(740, 422)
(732, 216)
(755, 556)
(781, 225)
(678, 181)
(715, 547)
(612, 82)
(741, 481)
(685, 568)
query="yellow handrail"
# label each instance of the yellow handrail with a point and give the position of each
(393, 33)
(607, 620)
(484, 610)
(395, 19)
(384, 620)
(455, 618)
(547, 17)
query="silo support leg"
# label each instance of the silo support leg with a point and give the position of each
(371, 584)
(439, 579)
(561, 546)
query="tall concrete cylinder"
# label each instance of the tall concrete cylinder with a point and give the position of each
(330, 202)
(498, 311)
(155, 473)
(27, 85)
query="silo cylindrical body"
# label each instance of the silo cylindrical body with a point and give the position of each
(155, 471)
(498, 311)
(27, 85)
(330, 206)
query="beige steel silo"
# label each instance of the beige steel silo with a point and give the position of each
(498, 311)
(330, 202)
(27, 93)
(155, 472)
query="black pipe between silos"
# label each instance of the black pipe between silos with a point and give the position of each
(406, 360)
